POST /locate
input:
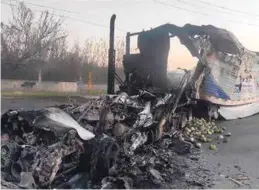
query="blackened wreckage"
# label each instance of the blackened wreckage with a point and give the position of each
(133, 139)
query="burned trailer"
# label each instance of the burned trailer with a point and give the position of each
(225, 78)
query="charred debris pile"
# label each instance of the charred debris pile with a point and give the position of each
(115, 141)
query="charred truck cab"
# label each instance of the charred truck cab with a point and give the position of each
(147, 69)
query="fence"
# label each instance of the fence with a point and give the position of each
(16, 85)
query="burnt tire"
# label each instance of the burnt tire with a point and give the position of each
(106, 157)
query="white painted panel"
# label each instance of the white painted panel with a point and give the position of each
(235, 112)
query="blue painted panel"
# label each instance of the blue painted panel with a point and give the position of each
(211, 88)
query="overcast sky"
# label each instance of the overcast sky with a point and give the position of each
(135, 15)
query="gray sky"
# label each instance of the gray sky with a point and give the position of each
(135, 15)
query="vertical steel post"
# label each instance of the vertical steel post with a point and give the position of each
(127, 53)
(111, 58)
(128, 44)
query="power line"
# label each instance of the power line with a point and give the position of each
(79, 20)
(180, 8)
(44, 6)
(217, 10)
(201, 13)
(227, 8)
(75, 19)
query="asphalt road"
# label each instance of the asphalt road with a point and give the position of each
(239, 156)
(33, 102)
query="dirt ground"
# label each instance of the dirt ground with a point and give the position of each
(239, 156)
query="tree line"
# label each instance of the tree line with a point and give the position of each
(33, 46)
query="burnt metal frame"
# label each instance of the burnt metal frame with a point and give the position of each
(128, 41)
(134, 34)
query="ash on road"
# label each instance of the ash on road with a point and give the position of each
(240, 156)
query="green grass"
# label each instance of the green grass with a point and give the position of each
(50, 94)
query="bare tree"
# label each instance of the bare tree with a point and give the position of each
(58, 50)
(39, 43)
(120, 50)
(26, 38)
(96, 52)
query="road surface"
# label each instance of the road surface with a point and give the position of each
(239, 156)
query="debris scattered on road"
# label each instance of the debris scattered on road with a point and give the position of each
(225, 140)
(198, 145)
(221, 137)
(241, 177)
(235, 181)
(228, 134)
(237, 167)
(213, 147)
(117, 141)
(200, 131)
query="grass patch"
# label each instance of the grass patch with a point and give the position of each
(50, 94)
(96, 92)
